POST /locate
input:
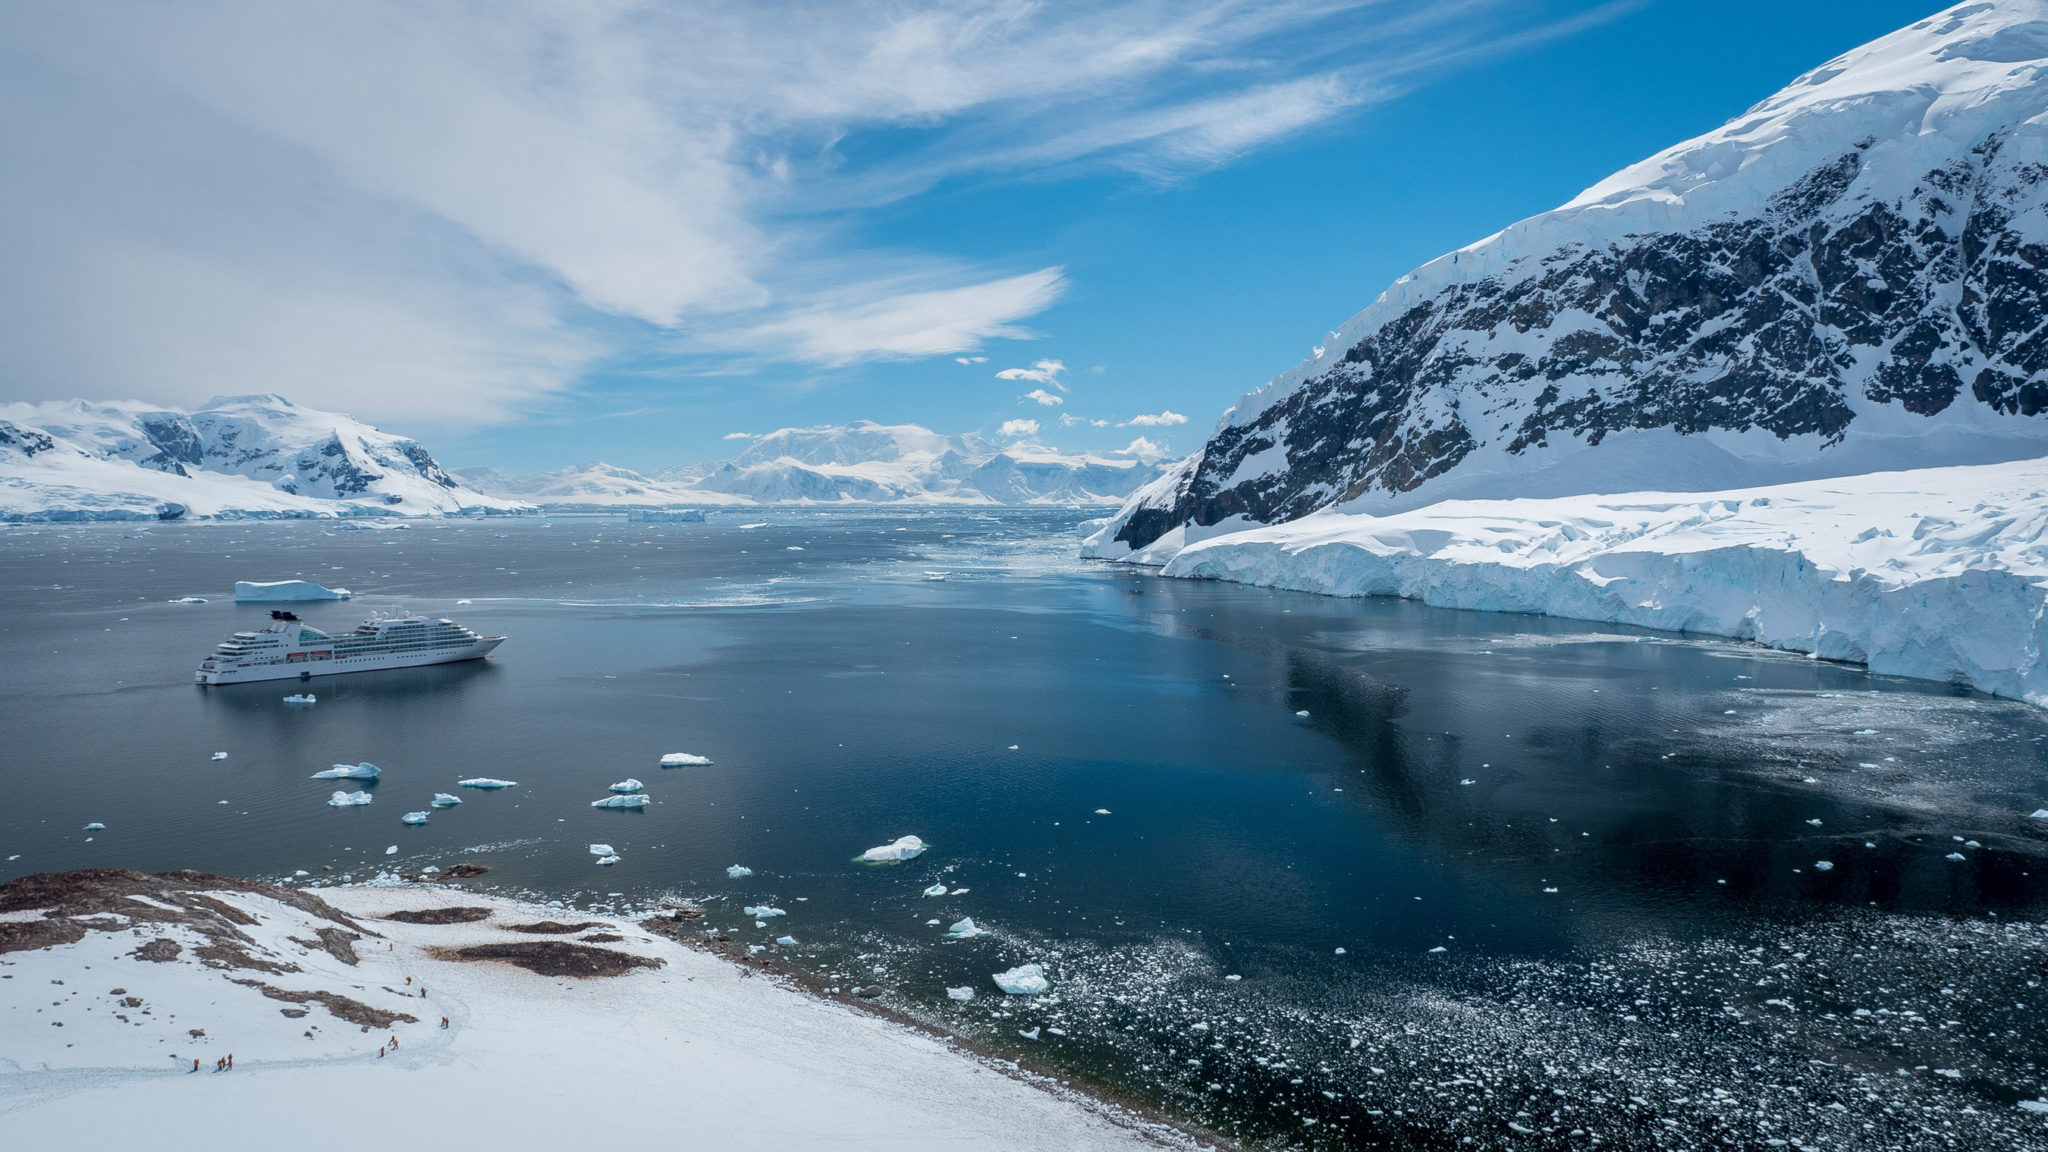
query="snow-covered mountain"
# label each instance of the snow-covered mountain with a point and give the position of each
(588, 488)
(236, 456)
(865, 462)
(1851, 276)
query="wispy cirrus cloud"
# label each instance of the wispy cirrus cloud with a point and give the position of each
(452, 211)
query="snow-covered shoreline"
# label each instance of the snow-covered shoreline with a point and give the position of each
(1938, 573)
(100, 1016)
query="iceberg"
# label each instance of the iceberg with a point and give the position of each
(628, 785)
(391, 851)
(285, 591)
(444, 800)
(608, 861)
(786, 941)
(636, 801)
(349, 799)
(1030, 1033)
(762, 911)
(601, 850)
(190, 600)
(963, 993)
(1102, 811)
(95, 826)
(486, 783)
(302, 698)
(739, 870)
(363, 771)
(2038, 814)
(906, 848)
(1023, 980)
(413, 818)
(936, 890)
(220, 755)
(966, 929)
(683, 760)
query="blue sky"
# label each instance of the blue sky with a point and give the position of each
(544, 234)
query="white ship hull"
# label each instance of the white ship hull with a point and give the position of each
(369, 662)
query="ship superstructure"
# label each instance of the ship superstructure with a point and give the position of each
(290, 649)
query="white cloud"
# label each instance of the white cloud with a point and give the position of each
(1014, 428)
(1162, 420)
(1043, 397)
(1143, 449)
(1098, 423)
(1068, 420)
(740, 436)
(456, 210)
(970, 359)
(1042, 372)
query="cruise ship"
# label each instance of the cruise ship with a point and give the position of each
(292, 650)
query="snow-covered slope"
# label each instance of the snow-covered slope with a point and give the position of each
(1850, 276)
(238, 456)
(1939, 573)
(592, 487)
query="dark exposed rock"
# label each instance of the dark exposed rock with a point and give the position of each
(341, 1007)
(554, 927)
(465, 871)
(557, 958)
(22, 935)
(161, 950)
(454, 915)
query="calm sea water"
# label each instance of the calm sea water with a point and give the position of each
(1570, 868)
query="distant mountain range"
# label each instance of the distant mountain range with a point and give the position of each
(252, 457)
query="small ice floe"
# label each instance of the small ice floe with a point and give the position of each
(1023, 980)
(302, 698)
(628, 785)
(963, 993)
(190, 600)
(601, 850)
(444, 800)
(636, 800)
(1102, 811)
(1013, 747)
(95, 826)
(1233, 978)
(363, 771)
(1815, 822)
(1303, 713)
(608, 861)
(2039, 1107)
(683, 760)
(391, 851)
(1028, 1034)
(931, 923)
(1866, 732)
(786, 941)
(1958, 857)
(349, 799)
(1466, 782)
(413, 818)
(272, 591)
(1823, 865)
(301, 872)
(1971, 844)
(936, 890)
(2038, 814)
(965, 929)
(1551, 891)
(430, 870)
(486, 783)
(220, 755)
(737, 871)
(1438, 948)
(1339, 952)
(761, 912)
(905, 848)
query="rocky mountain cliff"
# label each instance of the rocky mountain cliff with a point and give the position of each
(1851, 276)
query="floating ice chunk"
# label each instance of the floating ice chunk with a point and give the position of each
(966, 929)
(960, 891)
(683, 760)
(608, 861)
(1815, 822)
(1971, 844)
(1031, 1034)
(430, 870)
(963, 993)
(1013, 747)
(345, 799)
(1439, 948)
(1467, 782)
(600, 849)
(936, 890)
(2039, 1107)
(786, 941)
(413, 818)
(2038, 814)
(301, 872)
(485, 782)
(95, 826)
(1551, 891)
(1303, 713)
(763, 911)
(628, 785)
(1823, 865)
(1023, 980)
(190, 600)
(1958, 857)
(1340, 952)
(261, 591)
(634, 801)
(739, 870)
(1233, 978)
(460, 602)
(363, 771)
(302, 698)
(1866, 732)
(444, 800)
(906, 848)
(391, 851)
(1102, 811)
(220, 755)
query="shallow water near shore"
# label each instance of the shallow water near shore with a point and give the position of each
(1574, 870)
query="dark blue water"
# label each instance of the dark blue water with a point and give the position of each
(960, 676)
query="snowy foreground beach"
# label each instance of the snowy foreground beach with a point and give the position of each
(1938, 573)
(575, 1032)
